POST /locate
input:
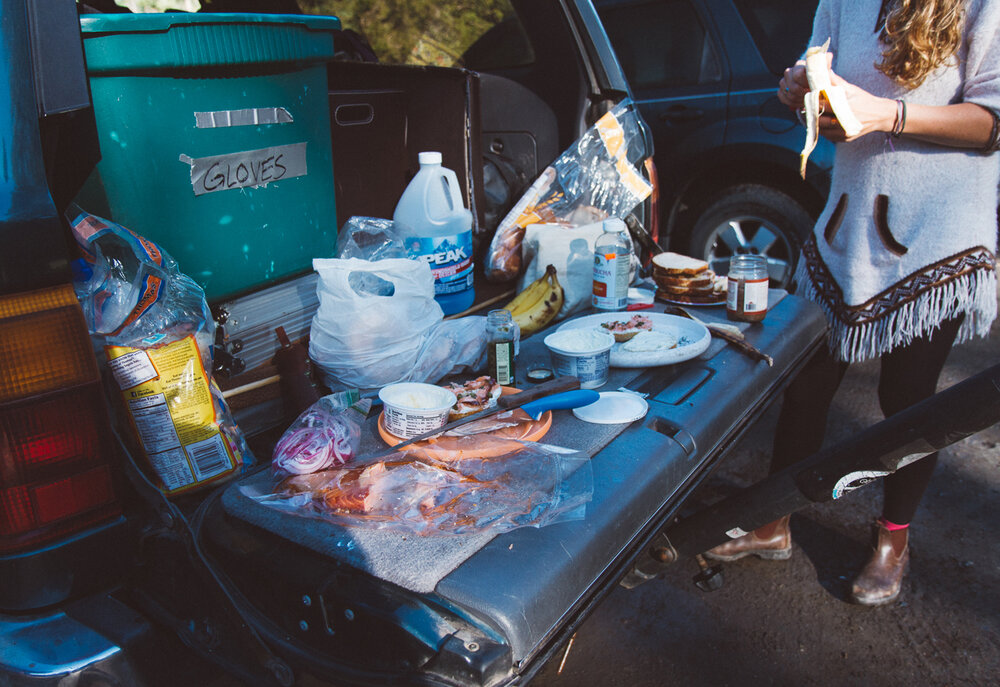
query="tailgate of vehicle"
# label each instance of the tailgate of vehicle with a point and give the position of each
(530, 584)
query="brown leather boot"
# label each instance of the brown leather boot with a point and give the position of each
(880, 580)
(772, 541)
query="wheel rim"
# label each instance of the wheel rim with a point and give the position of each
(748, 235)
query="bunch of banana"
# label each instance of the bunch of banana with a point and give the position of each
(538, 303)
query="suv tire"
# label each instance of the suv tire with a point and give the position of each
(750, 218)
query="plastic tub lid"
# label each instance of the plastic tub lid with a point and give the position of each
(613, 407)
(175, 40)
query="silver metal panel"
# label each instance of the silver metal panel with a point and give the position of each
(527, 582)
(251, 320)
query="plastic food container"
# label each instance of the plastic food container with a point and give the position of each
(215, 140)
(412, 408)
(582, 353)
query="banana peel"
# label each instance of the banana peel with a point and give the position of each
(820, 84)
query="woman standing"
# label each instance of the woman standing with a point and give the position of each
(902, 258)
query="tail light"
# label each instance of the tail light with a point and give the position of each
(56, 474)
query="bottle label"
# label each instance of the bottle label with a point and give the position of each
(450, 259)
(750, 297)
(501, 361)
(610, 281)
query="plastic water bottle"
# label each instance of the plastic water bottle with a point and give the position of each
(435, 227)
(612, 262)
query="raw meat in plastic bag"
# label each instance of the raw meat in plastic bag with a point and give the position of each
(490, 485)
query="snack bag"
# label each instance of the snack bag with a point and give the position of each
(153, 325)
(590, 182)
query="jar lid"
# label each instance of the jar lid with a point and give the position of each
(614, 407)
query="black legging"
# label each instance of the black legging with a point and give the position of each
(909, 374)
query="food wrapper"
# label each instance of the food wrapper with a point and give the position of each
(153, 332)
(486, 485)
(325, 435)
(593, 180)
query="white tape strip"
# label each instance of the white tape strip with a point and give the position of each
(247, 117)
(247, 168)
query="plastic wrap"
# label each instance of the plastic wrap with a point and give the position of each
(325, 435)
(378, 324)
(369, 238)
(491, 485)
(593, 180)
(153, 326)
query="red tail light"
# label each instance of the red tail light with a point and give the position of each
(55, 466)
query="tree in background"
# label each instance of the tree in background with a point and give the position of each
(415, 31)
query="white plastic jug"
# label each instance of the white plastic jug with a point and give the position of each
(437, 228)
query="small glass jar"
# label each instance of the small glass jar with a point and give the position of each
(746, 295)
(502, 335)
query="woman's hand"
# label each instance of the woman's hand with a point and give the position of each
(794, 85)
(875, 114)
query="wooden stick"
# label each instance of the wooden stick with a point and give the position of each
(237, 390)
(569, 646)
(476, 308)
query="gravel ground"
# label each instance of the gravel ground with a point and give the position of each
(791, 622)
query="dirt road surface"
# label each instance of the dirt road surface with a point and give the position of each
(791, 622)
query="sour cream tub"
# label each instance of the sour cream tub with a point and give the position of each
(412, 408)
(582, 353)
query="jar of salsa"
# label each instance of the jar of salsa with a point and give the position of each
(746, 295)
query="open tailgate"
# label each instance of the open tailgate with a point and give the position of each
(366, 608)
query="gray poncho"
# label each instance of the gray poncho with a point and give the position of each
(908, 236)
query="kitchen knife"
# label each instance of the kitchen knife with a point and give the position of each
(561, 392)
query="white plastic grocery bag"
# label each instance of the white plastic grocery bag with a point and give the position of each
(378, 324)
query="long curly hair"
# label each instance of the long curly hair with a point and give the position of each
(919, 36)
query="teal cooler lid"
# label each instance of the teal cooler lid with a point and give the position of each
(132, 43)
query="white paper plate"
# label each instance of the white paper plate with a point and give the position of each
(694, 338)
(613, 407)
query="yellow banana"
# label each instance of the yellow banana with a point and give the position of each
(818, 75)
(544, 310)
(531, 294)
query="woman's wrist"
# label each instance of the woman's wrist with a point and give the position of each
(891, 114)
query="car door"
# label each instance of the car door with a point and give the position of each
(676, 68)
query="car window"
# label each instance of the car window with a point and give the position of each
(780, 28)
(444, 33)
(661, 44)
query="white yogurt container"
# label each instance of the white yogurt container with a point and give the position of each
(581, 353)
(412, 408)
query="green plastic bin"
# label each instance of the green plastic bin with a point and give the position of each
(215, 140)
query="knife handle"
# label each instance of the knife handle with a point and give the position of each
(566, 399)
(553, 386)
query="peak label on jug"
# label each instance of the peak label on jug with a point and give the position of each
(450, 260)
